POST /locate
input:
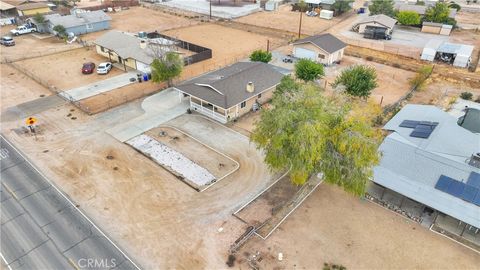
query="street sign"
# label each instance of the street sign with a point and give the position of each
(31, 121)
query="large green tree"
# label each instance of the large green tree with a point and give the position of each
(439, 13)
(408, 18)
(261, 56)
(167, 67)
(308, 70)
(311, 133)
(340, 7)
(382, 7)
(358, 80)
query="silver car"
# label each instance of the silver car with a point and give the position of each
(104, 68)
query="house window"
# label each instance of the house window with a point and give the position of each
(259, 95)
(102, 49)
(243, 104)
(321, 56)
(89, 26)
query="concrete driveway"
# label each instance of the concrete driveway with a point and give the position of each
(96, 88)
(159, 108)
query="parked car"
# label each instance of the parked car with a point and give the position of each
(23, 29)
(7, 41)
(104, 68)
(88, 68)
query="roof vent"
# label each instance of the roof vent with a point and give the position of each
(250, 87)
(475, 160)
(143, 44)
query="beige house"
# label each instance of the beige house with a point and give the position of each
(325, 49)
(382, 21)
(230, 92)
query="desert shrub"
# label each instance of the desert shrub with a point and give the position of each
(466, 95)
(422, 75)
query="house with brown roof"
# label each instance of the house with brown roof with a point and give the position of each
(32, 8)
(231, 92)
(378, 21)
(325, 48)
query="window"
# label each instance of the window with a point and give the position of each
(102, 49)
(243, 104)
(321, 56)
(259, 95)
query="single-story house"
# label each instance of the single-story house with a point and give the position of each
(230, 92)
(323, 4)
(420, 10)
(460, 55)
(7, 13)
(428, 158)
(78, 23)
(325, 48)
(436, 28)
(380, 20)
(30, 9)
(131, 50)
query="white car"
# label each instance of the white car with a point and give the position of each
(24, 29)
(104, 68)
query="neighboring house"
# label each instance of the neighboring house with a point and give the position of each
(325, 48)
(130, 50)
(78, 23)
(30, 9)
(459, 55)
(7, 13)
(420, 10)
(430, 159)
(379, 21)
(230, 92)
(323, 4)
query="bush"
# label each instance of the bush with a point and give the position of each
(422, 75)
(408, 18)
(358, 80)
(466, 95)
(308, 70)
(61, 31)
(455, 6)
(261, 56)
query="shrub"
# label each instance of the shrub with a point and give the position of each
(261, 56)
(455, 6)
(408, 18)
(359, 80)
(61, 31)
(422, 75)
(466, 95)
(308, 70)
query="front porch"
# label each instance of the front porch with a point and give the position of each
(209, 110)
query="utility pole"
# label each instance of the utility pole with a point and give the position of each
(210, 9)
(300, 24)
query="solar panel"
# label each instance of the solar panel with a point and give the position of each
(476, 200)
(469, 193)
(420, 134)
(428, 123)
(456, 188)
(409, 123)
(474, 180)
(443, 183)
(423, 130)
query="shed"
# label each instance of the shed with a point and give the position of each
(325, 48)
(380, 20)
(326, 14)
(459, 55)
(272, 5)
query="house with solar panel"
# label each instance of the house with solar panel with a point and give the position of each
(430, 169)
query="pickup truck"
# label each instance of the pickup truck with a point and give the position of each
(22, 30)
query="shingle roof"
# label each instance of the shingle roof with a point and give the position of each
(29, 6)
(83, 18)
(226, 87)
(412, 166)
(326, 42)
(381, 19)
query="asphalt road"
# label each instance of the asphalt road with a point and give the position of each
(42, 229)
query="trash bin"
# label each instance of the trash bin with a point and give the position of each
(139, 77)
(145, 77)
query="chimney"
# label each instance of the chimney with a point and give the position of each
(250, 87)
(143, 44)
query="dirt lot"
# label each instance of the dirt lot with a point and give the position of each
(63, 70)
(334, 227)
(467, 18)
(138, 19)
(286, 20)
(27, 46)
(393, 83)
(229, 45)
(214, 162)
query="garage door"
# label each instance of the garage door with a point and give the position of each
(304, 53)
(143, 67)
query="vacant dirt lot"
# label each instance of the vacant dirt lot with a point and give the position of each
(27, 46)
(393, 83)
(334, 227)
(214, 162)
(63, 70)
(286, 20)
(228, 45)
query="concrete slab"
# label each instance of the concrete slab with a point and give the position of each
(96, 88)
(159, 108)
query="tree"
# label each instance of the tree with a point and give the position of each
(39, 18)
(261, 56)
(311, 133)
(308, 70)
(438, 13)
(455, 6)
(359, 80)
(61, 31)
(340, 7)
(382, 7)
(167, 67)
(408, 18)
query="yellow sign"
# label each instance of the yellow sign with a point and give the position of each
(31, 121)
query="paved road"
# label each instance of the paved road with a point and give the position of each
(42, 229)
(24, 110)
